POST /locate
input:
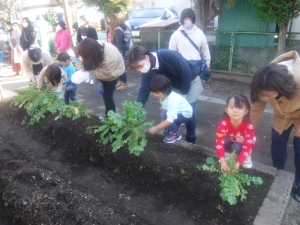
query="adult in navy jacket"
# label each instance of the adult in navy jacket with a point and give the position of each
(182, 74)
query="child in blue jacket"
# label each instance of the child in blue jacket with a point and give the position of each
(69, 69)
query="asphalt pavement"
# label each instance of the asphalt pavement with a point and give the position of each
(209, 114)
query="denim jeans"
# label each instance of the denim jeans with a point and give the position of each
(174, 127)
(279, 151)
(230, 146)
(70, 95)
(123, 77)
(108, 92)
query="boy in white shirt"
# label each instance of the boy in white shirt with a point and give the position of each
(175, 108)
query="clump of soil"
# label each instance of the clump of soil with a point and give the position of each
(56, 173)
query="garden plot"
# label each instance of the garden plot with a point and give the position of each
(55, 173)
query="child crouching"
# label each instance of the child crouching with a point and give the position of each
(236, 133)
(175, 108)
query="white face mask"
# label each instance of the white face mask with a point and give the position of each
(188, 24)
(58, 28)
(146, 67)
(25, 24)
(15, 28)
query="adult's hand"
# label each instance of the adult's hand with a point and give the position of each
(208, 66)
(297, 131)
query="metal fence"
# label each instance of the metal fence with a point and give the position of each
(231, 52)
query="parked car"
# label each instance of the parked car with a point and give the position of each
(142, 16)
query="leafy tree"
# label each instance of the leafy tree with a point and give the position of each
(280, 12)
(7, 7)
(110, 6)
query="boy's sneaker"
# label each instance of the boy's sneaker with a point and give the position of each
(297, 192)
(172, 137)
(247, 164)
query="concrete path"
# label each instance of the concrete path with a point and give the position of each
(209, 111)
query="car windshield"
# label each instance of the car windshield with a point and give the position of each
(148, 13)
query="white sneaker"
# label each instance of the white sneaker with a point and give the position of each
(87, 81)
(247, 164)
(92, 81)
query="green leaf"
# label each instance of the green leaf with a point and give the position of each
(210, 160)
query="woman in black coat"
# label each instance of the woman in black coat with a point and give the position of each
(28, 34)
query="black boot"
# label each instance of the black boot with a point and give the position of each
(190, 140)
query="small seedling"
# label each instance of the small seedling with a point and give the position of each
(220, 208)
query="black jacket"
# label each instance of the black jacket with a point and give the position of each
(90, 33)
(118, 39)
(172, 65)
(27, 38)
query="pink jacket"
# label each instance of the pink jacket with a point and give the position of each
(63, 40)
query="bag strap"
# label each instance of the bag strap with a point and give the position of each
(190, 40)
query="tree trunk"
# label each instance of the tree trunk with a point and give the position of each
(282, 38)
(201, 11)
(68, 18)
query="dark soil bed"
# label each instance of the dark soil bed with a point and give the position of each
(54, 173)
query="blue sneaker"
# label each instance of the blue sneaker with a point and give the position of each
(172, 137)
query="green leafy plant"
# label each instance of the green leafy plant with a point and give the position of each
(74, 111)
(232, 183)
(38, 104)
(127, 129)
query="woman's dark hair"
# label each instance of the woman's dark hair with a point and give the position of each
(273, 77)
(160, 83)
(239, 102)
(34, 54)
(138, 53)
(92, 53)
(30, 27)
(53, 74)
(62, 24)
(188, 13)
(63, 57)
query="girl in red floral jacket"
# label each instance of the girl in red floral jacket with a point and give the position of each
(236, 133)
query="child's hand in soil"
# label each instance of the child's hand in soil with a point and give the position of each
(224, 166)
(152, 130)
